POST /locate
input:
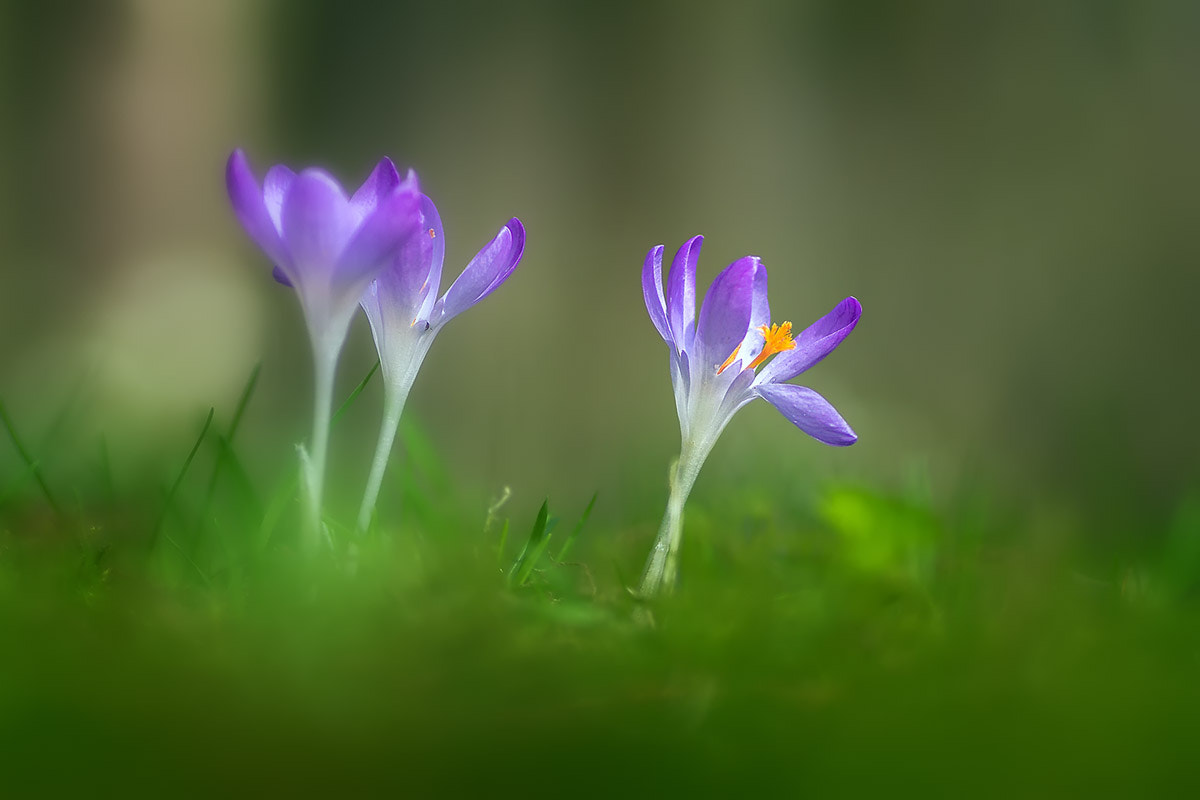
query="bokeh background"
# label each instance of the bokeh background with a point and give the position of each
(1009, 189)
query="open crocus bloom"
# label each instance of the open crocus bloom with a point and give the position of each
(326, 245)
(723, 360)
(406, 314)
(329, 247)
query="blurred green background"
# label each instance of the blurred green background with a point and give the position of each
(1009, 189)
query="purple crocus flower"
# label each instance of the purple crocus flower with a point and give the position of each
(329, 247)
(731, 355)
(406, 314)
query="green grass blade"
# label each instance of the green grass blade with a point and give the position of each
(30, 463)
(354, 394)
(243, 401)
(189, 559)
(179, 478)
(66, 409)
(279, 503)
(587, 512)
(535, 546)
(226, 447)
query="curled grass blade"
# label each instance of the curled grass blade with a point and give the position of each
(354, 394)
(170, 498)
(31, 464)
(535, 546)
(587, 512)
(225, 451)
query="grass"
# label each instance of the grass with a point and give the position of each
(862, 642)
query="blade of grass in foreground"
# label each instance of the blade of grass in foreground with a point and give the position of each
(539, 540)
(226, 452)
(225, 455)
(587, 512)
(354, 394)
(179, 478)
(30, 463)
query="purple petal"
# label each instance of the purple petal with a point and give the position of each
(382, 181)
(280, 276)
(372, 307)
(809, 412)
(760, 315)
(317, 224)
(725, 313)
(652, 291)
(404, 283)
(431, 227)
(490, 267)
(410, 183)
(814, 343)
(760, 308)
(275, 186)
(518, 249)
(381, 235)
(251, 210)
(681, 291)
(681, 381)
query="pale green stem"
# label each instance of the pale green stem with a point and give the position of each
(662, 566)
(325, 364)
(399, 376)
(393, 408)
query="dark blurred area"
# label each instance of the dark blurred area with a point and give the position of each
(1009, 189)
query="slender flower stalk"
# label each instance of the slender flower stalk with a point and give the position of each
(720, 362)
(406, 315)
(329, 247)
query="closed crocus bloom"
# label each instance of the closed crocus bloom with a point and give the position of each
(328, 247)
(406, 314)
(721, 361)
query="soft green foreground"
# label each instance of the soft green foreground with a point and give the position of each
(858, 643)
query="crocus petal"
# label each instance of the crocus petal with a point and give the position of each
(760, 315)
(317, 224)
(681, 292)
(276, 183)
(490, 267)
(410, 183)
(431, 227)
(516, 251)
(251, 210)
(681, 383)
(403, 283)
(760, 307)
(817, 341)
(809, 412)
(382, 181)
(280, 276)
(725, 314)
(652, 291)
(379, 238)
(373, 308)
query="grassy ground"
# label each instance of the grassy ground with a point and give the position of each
(860, 642)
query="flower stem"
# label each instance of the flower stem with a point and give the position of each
(662, 566)
(325, 365)
(393, 408)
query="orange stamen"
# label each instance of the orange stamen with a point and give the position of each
(776, 339)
